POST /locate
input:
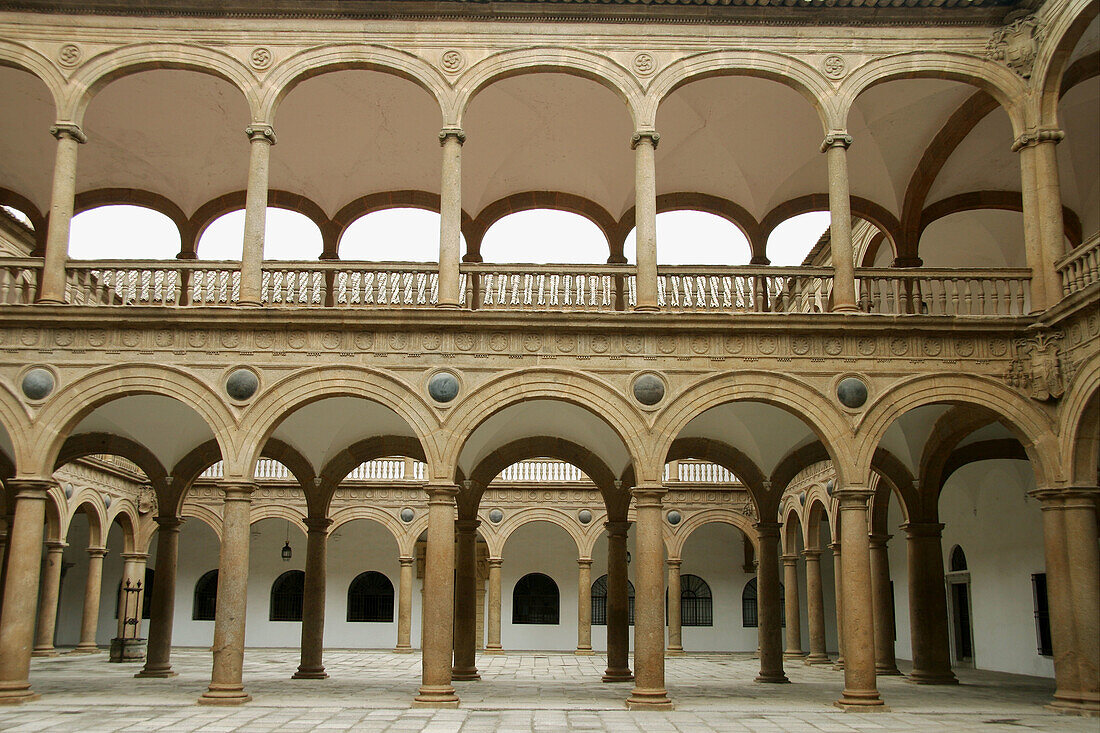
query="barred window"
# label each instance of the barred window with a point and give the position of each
(370, 598)
(599, 602)
(286, 596)
(535, 600)
(206, 597)
(750, 618)
(696, 604)
(1042, 615)
(958, 559)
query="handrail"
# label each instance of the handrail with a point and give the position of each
(944, 292)
(1081, 266)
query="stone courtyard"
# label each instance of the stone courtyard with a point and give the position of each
(519, 691)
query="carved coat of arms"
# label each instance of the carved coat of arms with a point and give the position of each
(1017, 44)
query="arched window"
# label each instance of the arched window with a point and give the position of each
(696, 604)
(206, 597)
(958, 559)
(370, 598)
(286, 596)
(599, 602)
(749, 616)
(147, 594)
(535, 600)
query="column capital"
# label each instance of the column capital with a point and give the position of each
(138, 556)
(812, 555)
(70, 130)
(452, 132)
(30, 488)
(97, 552)
(789, 559)
(651, 135)
(56, 545)
(406, 561)
(1036, 137)
(467, 526)
(496, 562)
(768, 530)
(584, 562)
(674, 562)
(923, 529)
(441, 493)
(834, 547)
(317, 524)
(648, 496)
(617, 529)
(878, 540)
(258, 131)
(239, 490)
(853, 497)
(168, 524)
(836, 139)
(1056, 498)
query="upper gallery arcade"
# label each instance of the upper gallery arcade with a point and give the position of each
(952, 304)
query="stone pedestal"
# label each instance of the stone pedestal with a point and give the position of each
(127, 650)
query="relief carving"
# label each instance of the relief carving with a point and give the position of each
(1017, 44)
(1038, 368)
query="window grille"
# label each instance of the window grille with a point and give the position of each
(696, 604)
(286, 596)
(206, 597)
(1042, 614)
(599, 602)
(535, 600)
(370, 598)
(750, 618)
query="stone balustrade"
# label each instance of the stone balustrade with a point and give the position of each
(1081, 267)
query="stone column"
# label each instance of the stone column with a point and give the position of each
(261, 137)
(93, 586)
(649, 691)
(21, 588)
(312, 665)
(815, 608)
(404, 606)
(1070, 536)
(792, 608)
(158, 659)
(52, 286)
(838, 592)
(928, 606)
(584, 605)
(226, 678)
(1044, 231)
(493, 626)
(618, 609)
(860, 686)
(5, 529)
(767, 605)
(885, 664)
(644, 143)
(835, 147)
(439, 585)
(675, 636)
(465, 629)
(450, 218)
(47, 602)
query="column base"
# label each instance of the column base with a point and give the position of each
(846, 309)
(646, 309)
(45, 652)
(648, 699)
(448, 306)
(887, 670)
(918, 677)
(310, 673)
(585, 652)
(156, 673)
(838, 665)
(493, 650)
(90, 649)
(861, 701)
(465, 675)
(816, 659)
(403, 650)
(432, 696)
(794, 655)
(224, 695)
(17, 694)
(674, 651)
(1085, 706)
(617, 675)
(772, 678)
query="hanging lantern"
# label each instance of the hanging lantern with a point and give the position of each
(287, 553)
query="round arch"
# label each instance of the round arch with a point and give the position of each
(1075, 422)
(792, 527)
(205, 515)
(24, 58)
(674, 544)
(530, 201)
(126, 514)
(91, 503)
(15, 421)
(818, 504)
(278, 511)
(390, 523)
(96, 198)
(499, 538)
(234, 201)
(866, 209)
(1062, 36)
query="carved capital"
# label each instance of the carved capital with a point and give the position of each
(467, 526)
(168, 524)
(318, 524)
(56, 546)
(452, 132)
(651, 135)
(70, 130)
(135, 556)
(836, 139)
(237, 490)
(767, 530)
(1036, 137)
(99, 552)
(584, 562)
(812, 555)
(406, 562)
(1017, 44)
(617, 529)
(923, 529)
(441, 493)
(648, 496)
(1066, 497)
(853, 497)
(259, 131)
(496, 562)
(791, 560)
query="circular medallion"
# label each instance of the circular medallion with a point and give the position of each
(866, 346)
(431, 341)
(649, 389)
(399, 341)
(852, 392)
(330, 340)
(833, 346)
(566, 342)
(833, 66)
(532, 342)
(295, 339)
(998, 347)
(666, 344)
(899, 346)
(495, 516)
(364, 340)
(964, 347)
(498, 342)
(130, 337)
(261, 58)
(674, 517)
(584, 516)
(69, 55)
(600, 344)
(407, 515)
(735, 344)
(38, 383)
(164, 338)
(242, 384)
(63, 337)
(633, 343)
(264, 339)
(800, 345)
(464, 341)
(443, 387)
(452, 61)
(644, 64)
(932, 347)
(700, 344)
(195, 339)
(766, 344)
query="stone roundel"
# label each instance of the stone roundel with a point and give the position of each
(495, 516)
(852, 392)
(407, 515)
(242, 384)
(584, 516)
(38, 383)
(443, 387)
(649, 389)
(674, 517)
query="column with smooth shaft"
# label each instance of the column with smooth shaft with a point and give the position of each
(5, 537)
(261, 137)
(62, 199)
(835, 147)
(769, 629)
(93, 587)
(644, 144)
(21, 588)
(618, 609)
(885, 664)
(838, 593)
(815, 608)
(404, 606)
(465, 632)
(312, 666)
(492, 645)
(675, 635)
(928, 606)
(450, 218)
(47, 602)
(227, 675)
(792, 608)
(436, 689)
(649, 691)
(860, 685)
(584, 606)
(158, 659)
(1041, 204)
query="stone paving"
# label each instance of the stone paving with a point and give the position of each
(520, 691)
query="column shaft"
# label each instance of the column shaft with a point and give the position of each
(767, 586)
(21, 589)
(492, 646)
(261, 138)
(312, 666)
(1051, 224)
(158, 660)
(465, 632)
(835, 147)
(47, 603)
(1033, 235)
(52, 286)
(815, 608)
(93, 587)
(649, 605)
(584, 605)
(860, 685)
(928, 606)
(450, 218)
(675, 634)
(838, 593)
(792, 608)
(404, 606)
(439, 586)
(226, 677)
(645, 219)
(618, 609)
(885, 664)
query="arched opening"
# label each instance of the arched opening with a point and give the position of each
(539, 588)
(370, 598)
(364, 570)
(26, 149)
(982, 238)
(544, 236)
(205, 598)
(123, 232)
(689, 237)
(535, 600)
(797, 239)
(288, 235)
(401, 234)
(287, 593)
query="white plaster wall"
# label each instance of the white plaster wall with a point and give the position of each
(541, 547)
(899, 572)
(198, 553)
(355, 548)
(265, 564)
(715, 552)
(70, 601)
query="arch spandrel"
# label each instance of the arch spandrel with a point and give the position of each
(1068, 22)
(545, 59)
(1081, 396)
(19, 56)
(676, 541)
